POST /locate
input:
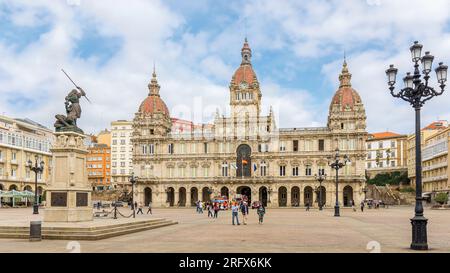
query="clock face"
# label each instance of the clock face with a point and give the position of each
(243, 85)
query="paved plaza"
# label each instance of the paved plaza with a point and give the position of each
(284, 230)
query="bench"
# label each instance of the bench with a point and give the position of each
(102, 213)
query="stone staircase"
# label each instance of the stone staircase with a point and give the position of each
(86, 233)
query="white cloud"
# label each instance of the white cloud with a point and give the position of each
(192, 65)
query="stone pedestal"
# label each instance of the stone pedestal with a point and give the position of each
(69, 192)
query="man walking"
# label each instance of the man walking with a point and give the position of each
(210, 209)
(307, 206)
(244, 210)
(261, 211)
(140, 209)
(149, 208)
(362, 206)
(234, 212)
(216, 210)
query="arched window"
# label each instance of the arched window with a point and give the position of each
(308, 170)
(225, 169)
(243, 161)
(263, 168)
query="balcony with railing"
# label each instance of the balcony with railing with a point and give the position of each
(435, 178)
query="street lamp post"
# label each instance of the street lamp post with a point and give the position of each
(338, 165)
(133, 180)
(417, 92)
(37, 169)
(321, 177)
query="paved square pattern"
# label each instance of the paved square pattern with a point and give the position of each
(284, 230)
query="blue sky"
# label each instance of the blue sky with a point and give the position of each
(298, 49)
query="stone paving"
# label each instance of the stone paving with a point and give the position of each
(284, 230)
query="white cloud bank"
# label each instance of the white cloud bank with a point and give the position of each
(193, 66)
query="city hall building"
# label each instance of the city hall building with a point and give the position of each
(246, 153)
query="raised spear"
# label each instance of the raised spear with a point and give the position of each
(84, 94)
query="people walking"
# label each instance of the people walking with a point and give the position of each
(135, 205)
(140, 209)
(261, 211)
(200, 206)
(234, 212)
(362, 206)
(244, 211)
(216, 209)
(149, 208)
(307, 206)
(353, 205)
(210, 209)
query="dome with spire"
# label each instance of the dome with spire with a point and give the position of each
(153, 103)
(245, 71)
(345, 97)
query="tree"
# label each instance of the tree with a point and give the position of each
(441, 198)
(394, 178)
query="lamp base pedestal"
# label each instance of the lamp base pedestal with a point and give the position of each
(419, 233)
(336, 211)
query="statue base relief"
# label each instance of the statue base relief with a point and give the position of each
(69, 193)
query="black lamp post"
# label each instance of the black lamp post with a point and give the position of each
(37, 168)
(321, 177)
(338, 165)
(417, 92)
(133, 180)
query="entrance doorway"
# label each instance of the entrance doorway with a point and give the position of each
(282, 197)
(348, 196)
(206, 194)
(147, 196)
(225, 192)
(295, 196)
(171, 196)
(182, 197)
(244, 190)
(263, 196)
(194, 196)
(308, 196)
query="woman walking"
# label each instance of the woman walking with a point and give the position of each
(261, 211)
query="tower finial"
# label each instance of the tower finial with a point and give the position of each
(246, 53)
(153, 86)
(345, 76)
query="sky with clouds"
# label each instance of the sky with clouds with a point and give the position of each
(109, 47)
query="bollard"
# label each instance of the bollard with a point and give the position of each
(35, 231)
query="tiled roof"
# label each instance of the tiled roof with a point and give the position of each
(153, 104)
(383, 135)
(244, 73)
(441, 124)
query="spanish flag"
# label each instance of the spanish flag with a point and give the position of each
(245, 162)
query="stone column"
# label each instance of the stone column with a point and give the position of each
(176, 197)
(69, 191)
(274, 198)
(188, 197)
(255, 196)
(301, 196)
(288, 197)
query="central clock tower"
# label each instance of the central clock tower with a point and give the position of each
(245, 95)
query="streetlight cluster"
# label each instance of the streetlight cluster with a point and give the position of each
(417, 92)
(320, 178)
(37, 169)
(338, 164)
